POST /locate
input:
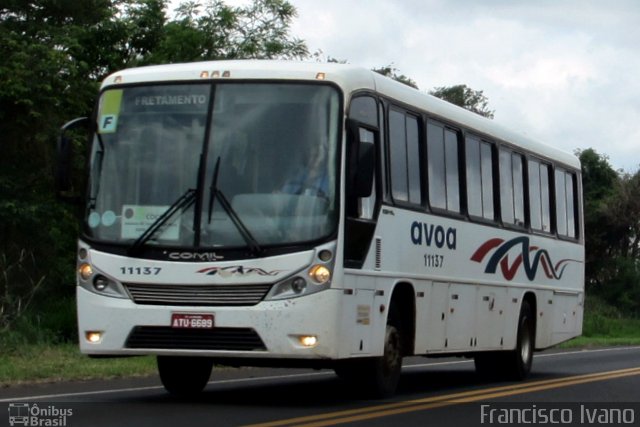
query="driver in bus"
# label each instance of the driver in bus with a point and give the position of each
(310, 177)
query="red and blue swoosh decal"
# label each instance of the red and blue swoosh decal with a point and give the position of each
(530, 264)
(238, 270)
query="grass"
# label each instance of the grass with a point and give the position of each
(40, 347)
(28, 355)
(64, 362)
(593, 342)
(604, 326)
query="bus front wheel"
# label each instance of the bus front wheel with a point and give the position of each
(387, 369)
(376, 376)
(184, 376)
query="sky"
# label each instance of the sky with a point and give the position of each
(565, 72)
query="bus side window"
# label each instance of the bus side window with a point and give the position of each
(479, 163)
(571, 206)
(539, 206)
(566, 224)
(535, 209)
(486, 166)
(561, 202)
(413, 159)
(436, 166)
(442, 160)
(546, 197)
(365, 112)
(366, 208)
(511, 188)
(404, 149)
(518, 189)
(398, 156)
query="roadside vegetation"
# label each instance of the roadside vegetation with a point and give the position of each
(63, 362)
(605, 325)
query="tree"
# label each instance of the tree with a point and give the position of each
(392, 72)
(218, 31)
(44, 80)
(54, 55)
(465, 97)
(612, 231)
(629, 199)
(460, 95)
(598, 182)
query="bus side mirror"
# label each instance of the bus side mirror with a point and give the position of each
(64, 158)
(361, 159)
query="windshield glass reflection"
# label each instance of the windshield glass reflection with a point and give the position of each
(152, 138)
(275, 146)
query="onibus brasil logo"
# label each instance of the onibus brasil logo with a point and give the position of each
(37, 415)
(530, 259)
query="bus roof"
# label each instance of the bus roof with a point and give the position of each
(350, 78)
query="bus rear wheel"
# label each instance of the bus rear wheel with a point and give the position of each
(519, 361)
(184, 376)
(514, 364)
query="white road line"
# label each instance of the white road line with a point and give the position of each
(85, 393)
(290, 376)
(157, 387)
(537, 356)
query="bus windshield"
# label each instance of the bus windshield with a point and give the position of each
(225, 165)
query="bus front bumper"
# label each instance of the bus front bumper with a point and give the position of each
(292, 329)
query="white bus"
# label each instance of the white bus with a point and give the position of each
(308, 214)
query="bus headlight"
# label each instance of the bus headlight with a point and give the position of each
(315, 277)
(98, 283)
(85, 271)
(320, 274)
(297, 286)
(93, 280)
(105, 286)
(290, 288)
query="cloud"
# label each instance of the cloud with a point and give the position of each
(562, 72)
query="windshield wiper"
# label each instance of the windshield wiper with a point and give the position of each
(215, 192)
(214, 188)
(182, 203)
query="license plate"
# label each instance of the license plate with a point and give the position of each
(191, 321)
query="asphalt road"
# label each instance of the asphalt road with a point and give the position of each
(585, 387)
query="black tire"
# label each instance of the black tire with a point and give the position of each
(376, 377)
(184, 376)
(518, 362)
(514, 364)
(387, 369)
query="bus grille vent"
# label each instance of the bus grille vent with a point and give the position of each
(167, 338)
(378, 253)
(197, 295)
